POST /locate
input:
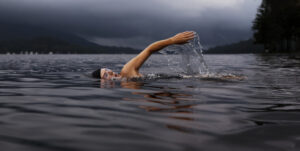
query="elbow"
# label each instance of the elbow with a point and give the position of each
(153, 48)
(159, 45)
(151, 51)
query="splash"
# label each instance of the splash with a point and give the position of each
(187, 58)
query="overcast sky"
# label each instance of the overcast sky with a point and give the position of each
(136, 23)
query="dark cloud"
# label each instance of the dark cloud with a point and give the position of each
(135, 23)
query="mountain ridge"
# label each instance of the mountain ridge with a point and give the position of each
(241, 47)
(23, 38)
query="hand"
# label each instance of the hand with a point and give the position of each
(182, 38)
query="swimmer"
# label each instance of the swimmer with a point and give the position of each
(131, 68)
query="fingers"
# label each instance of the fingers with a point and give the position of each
(188, 34)
(183, 37)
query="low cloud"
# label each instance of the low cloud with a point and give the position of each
(135, 23)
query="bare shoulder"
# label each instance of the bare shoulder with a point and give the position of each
(129, 72)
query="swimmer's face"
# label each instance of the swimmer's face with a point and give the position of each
(107, 74)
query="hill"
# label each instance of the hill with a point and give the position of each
(246, 46)
(21, 39)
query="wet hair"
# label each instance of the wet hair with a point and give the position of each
(97, 74)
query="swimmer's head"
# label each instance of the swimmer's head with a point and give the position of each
(97, 74)
(104, 73)
(107, 74)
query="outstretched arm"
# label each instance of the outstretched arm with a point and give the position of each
(131, 68)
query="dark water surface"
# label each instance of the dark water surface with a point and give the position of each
(49, 103)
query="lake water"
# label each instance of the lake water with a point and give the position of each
(48, 102)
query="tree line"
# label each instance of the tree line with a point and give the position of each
(277, 25)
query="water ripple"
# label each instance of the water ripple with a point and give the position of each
(50, 103)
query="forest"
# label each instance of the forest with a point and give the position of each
(277, 26)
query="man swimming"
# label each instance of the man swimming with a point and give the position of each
(131, 68)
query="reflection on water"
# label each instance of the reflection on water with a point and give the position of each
(51, 103)
(167, 102)
(172, 101)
